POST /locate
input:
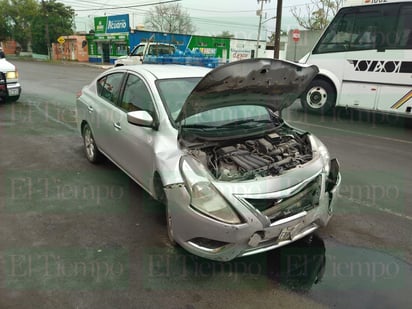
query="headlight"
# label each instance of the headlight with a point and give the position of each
(318, 146)
(12, 75)
(204, 196)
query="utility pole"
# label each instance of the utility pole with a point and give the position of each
(278, 29)
(260, 26)
(46, 27)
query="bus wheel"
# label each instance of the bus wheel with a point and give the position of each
(319, 97)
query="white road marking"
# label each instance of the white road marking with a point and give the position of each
(354, 132)
(368, 205)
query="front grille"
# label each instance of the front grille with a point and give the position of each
(307, 198)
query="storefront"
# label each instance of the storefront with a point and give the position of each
(110, 38)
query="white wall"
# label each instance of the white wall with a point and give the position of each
(242, 49)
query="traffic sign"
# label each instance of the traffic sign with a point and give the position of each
(296, 35)
(61, 39)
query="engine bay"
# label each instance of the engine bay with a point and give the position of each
(268, 155)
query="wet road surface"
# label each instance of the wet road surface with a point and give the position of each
(76, 235)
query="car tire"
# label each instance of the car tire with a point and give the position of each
(92, 152)
(319, 97)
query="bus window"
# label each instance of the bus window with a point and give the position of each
(366, 29)
(337, 36)
(361, 29)
(404, 30)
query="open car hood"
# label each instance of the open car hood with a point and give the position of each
(275, 84)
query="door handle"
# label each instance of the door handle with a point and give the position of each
(117, 125)
(90, 109)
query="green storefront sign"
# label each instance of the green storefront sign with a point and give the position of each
(100, 24)
(211, 46)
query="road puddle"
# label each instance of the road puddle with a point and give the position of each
(342, 276)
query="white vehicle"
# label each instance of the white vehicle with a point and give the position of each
(138, 53)
(10, 88)
(365, 59)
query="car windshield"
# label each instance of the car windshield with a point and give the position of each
(229, 116)
(174, 93)
(138, 51)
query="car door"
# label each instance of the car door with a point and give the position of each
(104, 112)
(134, 144)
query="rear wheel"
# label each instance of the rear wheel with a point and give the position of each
(319, 97)
(92, 153)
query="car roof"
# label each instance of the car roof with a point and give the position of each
(164, 71)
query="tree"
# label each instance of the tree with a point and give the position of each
(318, 13)
(225, 34)
(169, 18)
(18, 16)
(4, 23)
(271, 38)
(55, 18)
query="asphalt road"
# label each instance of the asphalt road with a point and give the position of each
(77, 235)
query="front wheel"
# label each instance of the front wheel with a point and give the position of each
(319, 97)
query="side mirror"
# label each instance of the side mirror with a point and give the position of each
(140, 118)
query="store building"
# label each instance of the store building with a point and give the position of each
(110, 38)
(72, 47)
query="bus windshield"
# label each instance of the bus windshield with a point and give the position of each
(370, 27)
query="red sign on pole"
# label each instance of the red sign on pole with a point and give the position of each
(296, 35)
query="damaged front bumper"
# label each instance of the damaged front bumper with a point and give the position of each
(299, 215)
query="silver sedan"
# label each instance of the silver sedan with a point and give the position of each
(236, 179)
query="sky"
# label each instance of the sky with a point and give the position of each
(210, 17)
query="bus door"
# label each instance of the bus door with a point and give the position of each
(372, 75)
(396, 95)
(361, 82)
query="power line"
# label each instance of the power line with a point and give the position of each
(127, 6)
(241, 11)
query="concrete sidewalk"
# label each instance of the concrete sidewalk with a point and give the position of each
(61, 62)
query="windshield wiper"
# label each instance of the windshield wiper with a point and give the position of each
(244, 121)
(198, 126)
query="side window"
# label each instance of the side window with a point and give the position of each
(376, 28)
(136, 96)
(404, 28)
(366, 31)
(364, 28)
(160, 49)
(109, 87)
(338, 35)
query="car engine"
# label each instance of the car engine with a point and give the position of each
(269, 155)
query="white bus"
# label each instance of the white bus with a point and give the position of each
(365, 59)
